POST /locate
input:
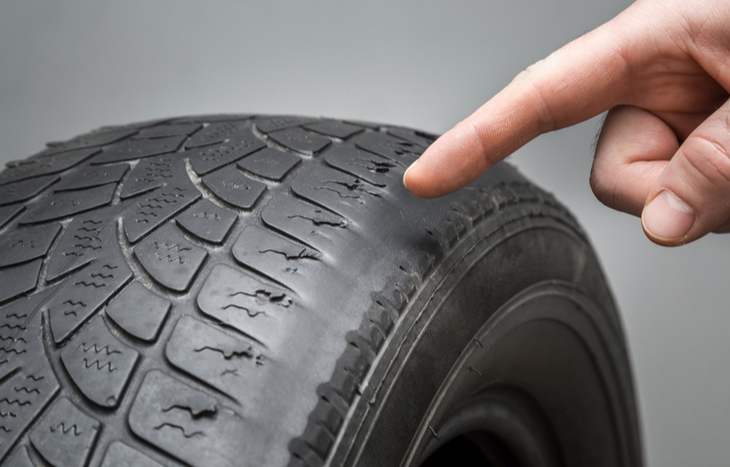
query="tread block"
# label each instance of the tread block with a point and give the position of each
(94, 138)
(337, 191)
(301, 451)
(84, 292)
(246, 304)
(22, 170)
(19, 458)
(212, 356)
(9, 212)
(212, 118)
(68, 203)
(164, 131)
(153, 209)
(119, 454)
(66, 435)
(312, 225)
(270, 163)
(92, 176)
(138, 148)
(215, 133)
(334, 128)
(274, 256)
(139, 311)
(209, 159)
(207, 221)
(86, 238)
(98, 363)
(190, 425)
(388, 146)
(300, 140)
(31, 384)
(370, 167)
(26, 243)
(275, 123)
(21, 191)
(170, 259)
(19, 279)
(416, 137)
(234, 188)
(151, 173)
(371, 125)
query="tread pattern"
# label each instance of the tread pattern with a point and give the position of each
(211, 158)
(234, 188)
(252, 307)
(170, 286)
(23, 190)
(120, 455)
(164, 131)
(139, 312)
(186, 423)
(207, 221)
(95, 176)
(300, 140)
(212, 356)
(98, 363)
(139, 148)
(150, 210)
(215, 133)
(66, 435)
(23, 170)
(270, 163)
(169, 258)
(27, 243)
(68, 203)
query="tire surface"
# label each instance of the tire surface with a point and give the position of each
(222, 290)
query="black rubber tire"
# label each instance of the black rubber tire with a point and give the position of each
(263, 291)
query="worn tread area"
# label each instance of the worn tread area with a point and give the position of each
(211, 290)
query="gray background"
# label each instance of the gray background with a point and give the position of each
(67, 67)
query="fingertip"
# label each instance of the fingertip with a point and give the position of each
(405, 175)
(667, 220)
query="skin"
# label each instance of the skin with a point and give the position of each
(662, 70)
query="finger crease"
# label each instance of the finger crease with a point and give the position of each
(546, 118)
(482, 144)
(723, 172)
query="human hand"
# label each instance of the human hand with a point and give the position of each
(662, 67)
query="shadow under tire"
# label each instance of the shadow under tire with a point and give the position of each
(263, 291)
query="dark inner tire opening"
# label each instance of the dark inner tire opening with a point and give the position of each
(474, 449)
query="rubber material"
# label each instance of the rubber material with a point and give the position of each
(258, 290)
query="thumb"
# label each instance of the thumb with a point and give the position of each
(691, 197)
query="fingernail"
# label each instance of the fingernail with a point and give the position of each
(666, 217)
(408, 170)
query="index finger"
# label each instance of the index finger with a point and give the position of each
(575, 83)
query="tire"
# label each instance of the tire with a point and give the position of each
(263, 291)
